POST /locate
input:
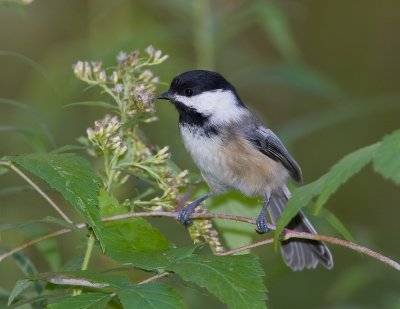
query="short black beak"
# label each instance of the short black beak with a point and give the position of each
(164, 96)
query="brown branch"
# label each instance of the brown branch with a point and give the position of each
(39, 239)
(340, 242)
(193, 216)
(246, 247)
(154, 278)
(287, 235)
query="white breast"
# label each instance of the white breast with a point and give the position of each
(234, 165)
(203, 149)
(206, 153)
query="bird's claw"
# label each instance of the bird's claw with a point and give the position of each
(185, 213)
(183, 216)
(262, 226)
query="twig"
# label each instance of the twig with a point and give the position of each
(36, 187)
(246, 247)
(39, 239)
(193, 216)
(153, 278)
(287, 234)
(340, 242)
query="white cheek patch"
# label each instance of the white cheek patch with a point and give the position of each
(220, 105)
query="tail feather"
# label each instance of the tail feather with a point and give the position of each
(299, 253)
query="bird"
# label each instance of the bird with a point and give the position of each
(235, 152)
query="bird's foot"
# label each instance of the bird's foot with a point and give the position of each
(185, 213)
(261, 221)
(262, 225)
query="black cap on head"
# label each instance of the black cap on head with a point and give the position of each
(197, 81)
(192, 83)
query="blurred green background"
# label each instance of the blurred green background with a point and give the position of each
(324, 75)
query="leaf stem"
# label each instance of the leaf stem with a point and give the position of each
(89, 249)
(36, 187)
(287, 234)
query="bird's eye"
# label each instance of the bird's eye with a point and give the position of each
(188, 92)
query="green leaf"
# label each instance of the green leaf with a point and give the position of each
(19, 287)
(28, 269)
(336, 224)
(83, 301)
(109, 205)
(342, 171)
(301, 197)
(152, 295)
(93, 103)
(132, 240)
(387, 159)
(73, 177)
(3, 170)
(235, 280)
(24, 263)
(160, 261)
(325, 186)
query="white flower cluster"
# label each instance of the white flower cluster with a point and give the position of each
(90, 72)
(106, 136)
(156, 55)
(204, 231)
(130, 84)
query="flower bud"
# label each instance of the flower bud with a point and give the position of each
(102, 76)
(150, 50)
(78, 68)
(121, 57)
(114, 77)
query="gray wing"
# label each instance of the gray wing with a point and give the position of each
(269, 144)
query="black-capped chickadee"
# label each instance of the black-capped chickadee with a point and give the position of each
(234, 151)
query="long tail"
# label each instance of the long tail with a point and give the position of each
(299, 253)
